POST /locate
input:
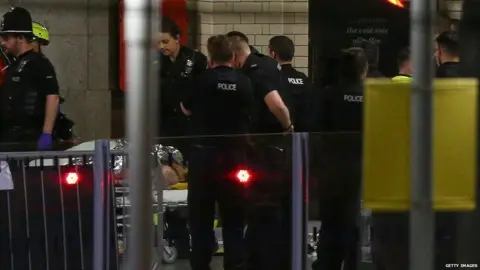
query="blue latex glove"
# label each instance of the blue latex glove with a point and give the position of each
(45, 142)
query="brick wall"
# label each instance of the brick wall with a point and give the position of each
(258, 19)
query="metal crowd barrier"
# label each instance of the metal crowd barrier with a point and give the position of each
(54, 211)
(70, 210)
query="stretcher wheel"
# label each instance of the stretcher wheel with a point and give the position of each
(170, 254)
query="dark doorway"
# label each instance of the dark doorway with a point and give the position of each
(339, 24)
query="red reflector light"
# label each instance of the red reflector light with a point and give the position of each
(243, 176)
(71, 178)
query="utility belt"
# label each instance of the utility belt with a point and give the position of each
(269, 127)
(222, 143)
(230, 152)
(22, 122)
(20, 134)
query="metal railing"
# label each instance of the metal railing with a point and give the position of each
(55, 214)
(71, 210)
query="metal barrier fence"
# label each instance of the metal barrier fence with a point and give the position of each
(56, 214)
(71, 209)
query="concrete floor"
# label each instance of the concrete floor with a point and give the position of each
(217, 265)
(183, 265)
(218, 260)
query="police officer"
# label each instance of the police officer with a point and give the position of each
(272, 115)
(341, 111)
(41, 36)
(267, 235)
(178, 67)
(30, 89)
(447, 53)
(63, 130)
(220, 104)
(373, 55)
(404, 67)
(297, 92)
(241, 36)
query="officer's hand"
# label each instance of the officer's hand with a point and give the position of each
(290, 129)
(45, 142)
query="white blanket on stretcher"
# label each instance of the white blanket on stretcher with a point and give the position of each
(175, 196)
(6, 182)
(169, 196)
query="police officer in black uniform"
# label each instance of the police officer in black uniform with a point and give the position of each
(270, 61)
(267, 235)
(272, 115)
(297, 92)
(220, 104)
(178, 67)
(373, 55)
(447, 53)
(341, 111)
(30, 92)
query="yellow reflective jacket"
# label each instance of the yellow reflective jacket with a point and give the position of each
(402, 79)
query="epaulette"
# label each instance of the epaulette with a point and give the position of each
(22, 64)
(253, 66)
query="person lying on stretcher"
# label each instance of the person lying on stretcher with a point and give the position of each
(174, 176)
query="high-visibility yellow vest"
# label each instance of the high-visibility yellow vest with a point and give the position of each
(402, 79)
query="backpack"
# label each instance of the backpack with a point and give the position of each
(63, 128)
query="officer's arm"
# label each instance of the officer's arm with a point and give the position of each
(184, 110)
(247, 94)
(48, 85)
(201, 63)
(191, 95)
(267, 87)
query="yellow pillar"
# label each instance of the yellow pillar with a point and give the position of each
(386, 147)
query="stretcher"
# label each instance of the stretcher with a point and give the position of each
(171, 198)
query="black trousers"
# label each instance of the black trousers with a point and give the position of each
(268, 234)
(339, 197)
(210, 181)
(338, 244)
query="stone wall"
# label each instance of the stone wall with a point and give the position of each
(80, 52)
(258, 19)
